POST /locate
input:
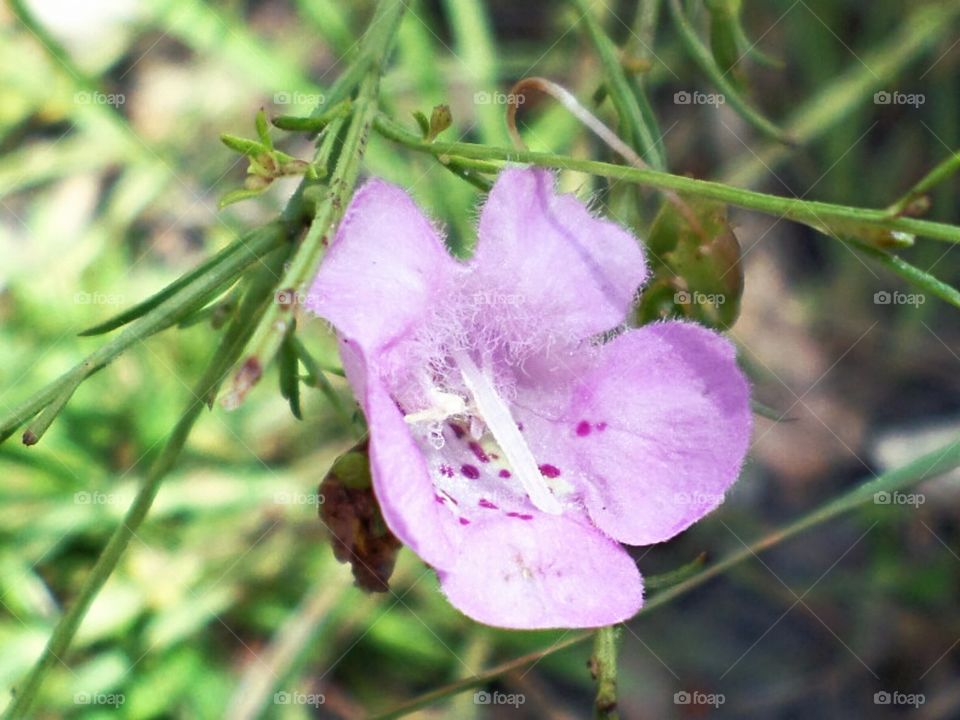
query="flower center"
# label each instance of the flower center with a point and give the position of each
(495, 412)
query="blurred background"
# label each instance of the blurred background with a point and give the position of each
(229, 602)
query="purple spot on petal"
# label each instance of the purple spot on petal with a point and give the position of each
(504, 473)
(520, 426)
(440, 499)
(601, 426)
(521, 516)
(583, 428)
(457, 430)
(484, 503)
(446, 470)
(464, 521)
(478, 451)
(470, 471)
(550, 471)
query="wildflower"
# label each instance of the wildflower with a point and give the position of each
(514, 443)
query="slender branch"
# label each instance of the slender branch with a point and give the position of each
(624, 100)
(329, 209)
(809, 212)
(603, 666)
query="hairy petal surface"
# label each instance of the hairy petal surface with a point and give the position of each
(549, 572)
(401, 476)
(384, 271)
(652, 430)
(572, 272)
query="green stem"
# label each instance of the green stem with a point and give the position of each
(628, 108)
(224, 358)
(944, 169)
(704, 59)
(329, 209)
(926, 467)
(603, 665)
(809, 212)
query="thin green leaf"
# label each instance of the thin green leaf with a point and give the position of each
(151, 302)
(263, 129)
(704, 59)
(288, 364)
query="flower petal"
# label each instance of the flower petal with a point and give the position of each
(401, 479)
(652, 433)
(571, 270)
(547, 572)
(384, 269)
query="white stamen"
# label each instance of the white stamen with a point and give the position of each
(496, 414)
(443, 405)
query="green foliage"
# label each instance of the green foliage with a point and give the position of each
(227, 592)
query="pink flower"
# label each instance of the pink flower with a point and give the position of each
(510, 448)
